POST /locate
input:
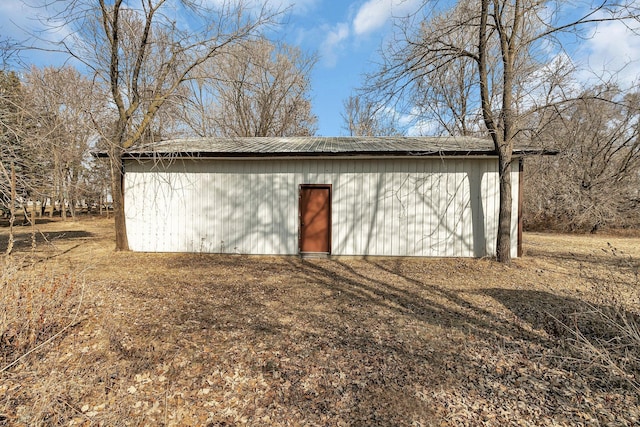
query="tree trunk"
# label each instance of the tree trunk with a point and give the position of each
(33, 214)
(501, 135)
(12, 209)
(505, 149)
(62, 197)
(117, 192)
(503, 244)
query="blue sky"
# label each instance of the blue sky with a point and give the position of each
(347, 36)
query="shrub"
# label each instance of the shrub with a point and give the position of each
(605, 336)
(35, 306)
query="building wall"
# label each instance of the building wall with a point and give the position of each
(405, 207)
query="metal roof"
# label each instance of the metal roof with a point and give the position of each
(314, 146)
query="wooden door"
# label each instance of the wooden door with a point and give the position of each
(315, 218)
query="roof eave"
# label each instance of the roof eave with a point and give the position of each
(226, 154)
(289, 154)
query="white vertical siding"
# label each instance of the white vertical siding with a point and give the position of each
(410, 207)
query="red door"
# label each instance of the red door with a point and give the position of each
(315, 218)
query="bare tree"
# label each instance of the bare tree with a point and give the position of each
(145, 50)
(61, 103)
(446, 96)
(11, 141)
(594, 181)
(262, 89)
(12, 152)
(510, 40)
(363, 117)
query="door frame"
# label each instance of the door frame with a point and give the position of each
(311, 186)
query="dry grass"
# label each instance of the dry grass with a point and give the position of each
(177, 339)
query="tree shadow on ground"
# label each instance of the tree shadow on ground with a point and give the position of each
(540, 309)
(23, 239)
(437, 305)
(608, 257)
(22, 222)
(339, 337)
(564, 317)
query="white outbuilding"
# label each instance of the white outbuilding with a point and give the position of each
(365, 196)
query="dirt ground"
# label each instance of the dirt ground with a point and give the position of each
(223, 340)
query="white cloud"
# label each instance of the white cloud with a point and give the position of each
(553, 81)
(14, 14)
(12, 5)
(614, 51)
(296, 7)
(412, 122)
(374, 14)
(333, 42)
(415, 125)
(31, 24)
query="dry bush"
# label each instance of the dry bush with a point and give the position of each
(604, 336)
(555, 199)
(592, 184)
(35, 306)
